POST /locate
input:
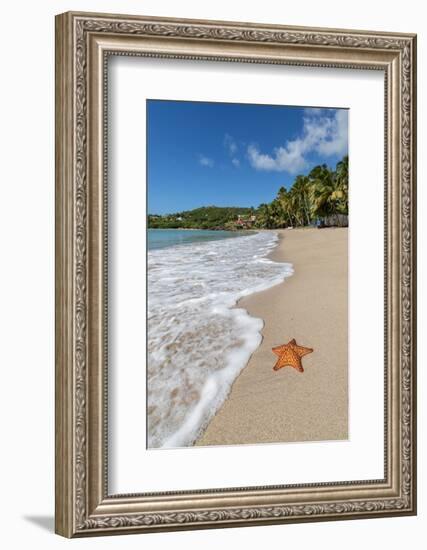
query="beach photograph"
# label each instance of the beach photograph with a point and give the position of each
(247, 274)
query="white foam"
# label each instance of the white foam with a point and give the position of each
(198, 342)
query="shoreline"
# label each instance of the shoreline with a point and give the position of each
(264, 406)
(195, 357)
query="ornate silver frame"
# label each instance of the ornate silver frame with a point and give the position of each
(83, 42)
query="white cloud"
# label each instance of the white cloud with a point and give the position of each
(286, 159)
(206, 161)
(232, 148)
(313, 111)
(230, 144)
(336, 140)
(322, 133)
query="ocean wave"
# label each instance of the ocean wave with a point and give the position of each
(198, 342)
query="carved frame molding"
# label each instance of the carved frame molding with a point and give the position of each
(83, 43)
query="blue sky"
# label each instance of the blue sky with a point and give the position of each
(226, 154)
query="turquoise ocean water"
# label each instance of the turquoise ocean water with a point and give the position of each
(198, 340)
(163, 238)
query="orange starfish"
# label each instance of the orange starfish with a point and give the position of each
(290, 355)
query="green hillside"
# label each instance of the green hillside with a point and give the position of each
(206, 217)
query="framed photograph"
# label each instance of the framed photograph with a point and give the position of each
(235, 274)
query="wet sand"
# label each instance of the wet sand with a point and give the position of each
(310, 306)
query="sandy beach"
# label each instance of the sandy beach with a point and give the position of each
(310, 306)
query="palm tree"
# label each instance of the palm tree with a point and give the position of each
(284, 201)
(264, 216)
(277, 218)
(321, 189)
(301, 199)
(329, 190)
(341, 193)
(321, 194)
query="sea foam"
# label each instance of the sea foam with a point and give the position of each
(198, 342)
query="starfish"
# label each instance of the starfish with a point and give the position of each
(290, 355)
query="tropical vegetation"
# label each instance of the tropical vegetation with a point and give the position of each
(320, 197)
(206, 217)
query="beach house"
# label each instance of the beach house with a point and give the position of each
(245, 223)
